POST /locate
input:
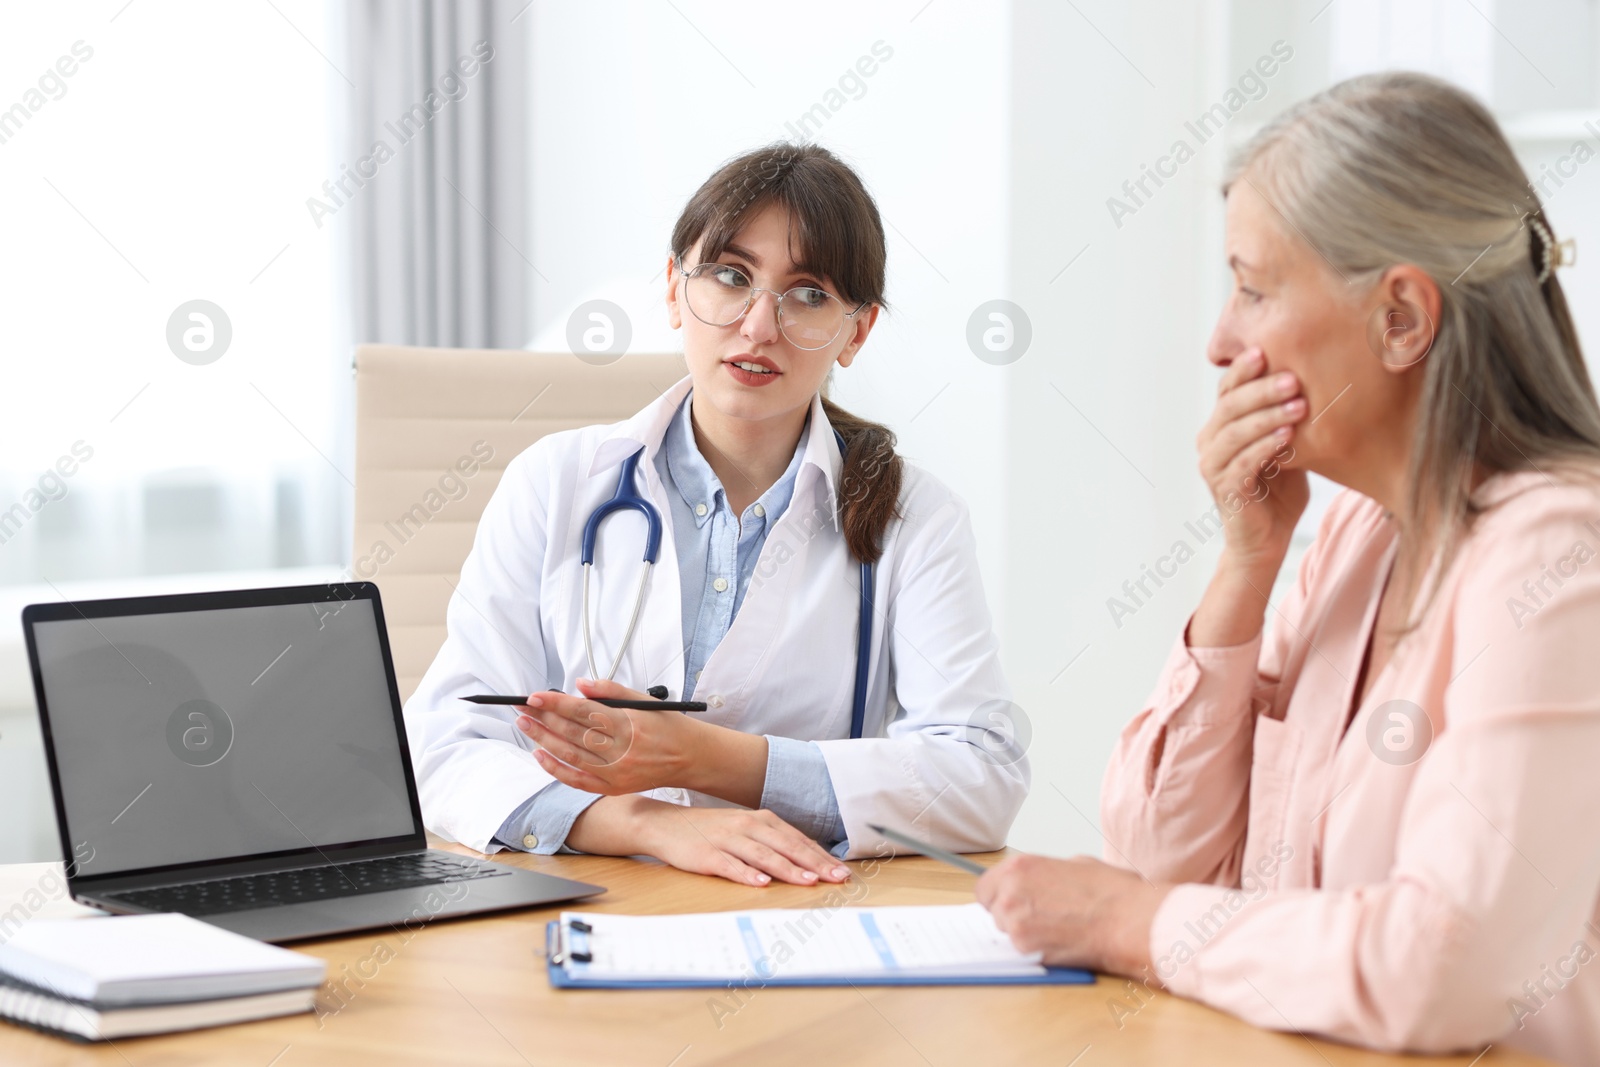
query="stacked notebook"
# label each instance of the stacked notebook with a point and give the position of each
(98, 979)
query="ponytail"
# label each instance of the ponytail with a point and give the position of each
(869, 482)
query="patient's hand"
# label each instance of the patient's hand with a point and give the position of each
(1078, 912)
(1247, 457)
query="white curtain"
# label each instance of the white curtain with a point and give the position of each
(434, 171)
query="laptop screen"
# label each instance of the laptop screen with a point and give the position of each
(193, 736)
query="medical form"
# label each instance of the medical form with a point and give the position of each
(818, 944)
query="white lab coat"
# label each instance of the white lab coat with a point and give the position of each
(785, 667)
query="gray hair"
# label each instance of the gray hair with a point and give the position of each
(1397, 168)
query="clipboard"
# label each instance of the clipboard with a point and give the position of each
(565, 947)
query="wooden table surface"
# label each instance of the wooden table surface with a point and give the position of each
(475, 991)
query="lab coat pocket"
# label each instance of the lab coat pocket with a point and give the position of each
(1276, 749)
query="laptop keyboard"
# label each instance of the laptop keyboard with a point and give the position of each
(270, 889)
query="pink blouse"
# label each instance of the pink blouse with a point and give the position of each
(1428, 879)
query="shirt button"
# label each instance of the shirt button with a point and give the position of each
(530, 842)
(699, 509)
(760, 511)
(720, 585)
(715, 701)
(697, 675)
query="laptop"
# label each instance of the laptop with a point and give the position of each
(241, 757)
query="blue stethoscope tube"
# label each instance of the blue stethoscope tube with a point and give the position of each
(627, 498)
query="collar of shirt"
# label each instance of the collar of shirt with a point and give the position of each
(647, 429)
(693, 478)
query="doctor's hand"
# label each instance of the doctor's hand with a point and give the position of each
(614, 751)
(1078, 912)
(749, 847)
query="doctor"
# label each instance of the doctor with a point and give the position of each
(776, 275)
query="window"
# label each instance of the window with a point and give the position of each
(156, 155)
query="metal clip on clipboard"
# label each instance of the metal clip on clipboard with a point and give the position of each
(566, 944)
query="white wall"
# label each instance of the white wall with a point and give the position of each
(1101, 414)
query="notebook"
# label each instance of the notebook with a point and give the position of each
(926, 945)
(41, 1010)
(130, 960)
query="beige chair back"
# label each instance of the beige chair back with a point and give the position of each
(426, 418)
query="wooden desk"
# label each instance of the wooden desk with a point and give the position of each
(474, 991)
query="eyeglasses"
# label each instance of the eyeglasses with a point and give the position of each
(808, 317)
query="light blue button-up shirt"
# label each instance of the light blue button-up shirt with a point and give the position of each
(717, 553)
(717, 550)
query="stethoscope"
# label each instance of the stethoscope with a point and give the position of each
(627, 498)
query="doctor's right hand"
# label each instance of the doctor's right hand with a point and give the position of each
(741, 845)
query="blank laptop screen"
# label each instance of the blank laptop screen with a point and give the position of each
(190, 736)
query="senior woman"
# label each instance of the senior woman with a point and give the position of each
(1372, 810)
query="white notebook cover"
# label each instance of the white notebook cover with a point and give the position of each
(150, 959)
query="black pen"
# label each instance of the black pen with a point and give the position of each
(629, 705)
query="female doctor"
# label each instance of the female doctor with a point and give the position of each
(770, 499)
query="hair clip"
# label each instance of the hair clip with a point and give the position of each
(1566, 254)
(1553, 253)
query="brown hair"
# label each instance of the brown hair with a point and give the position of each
(840, 237)
(1405, 168)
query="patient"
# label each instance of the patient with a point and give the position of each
(1369, 810)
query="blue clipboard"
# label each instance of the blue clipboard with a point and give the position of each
(561, 978)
